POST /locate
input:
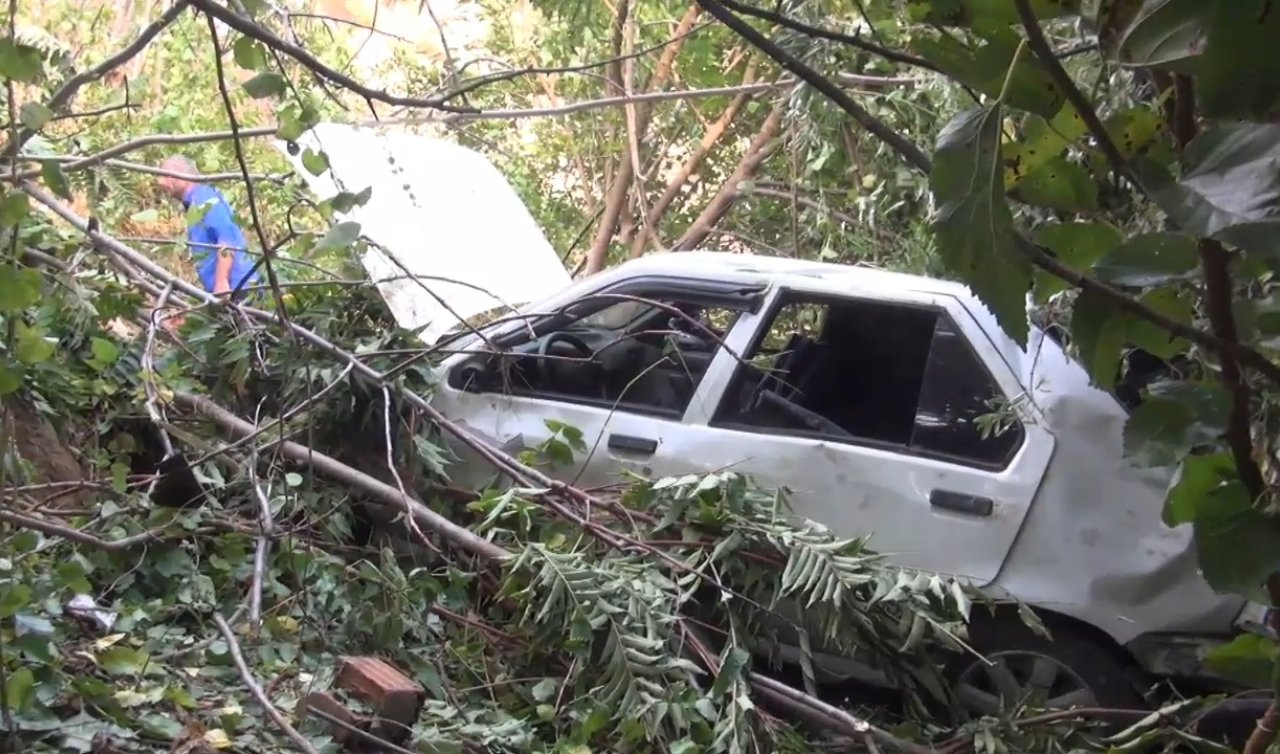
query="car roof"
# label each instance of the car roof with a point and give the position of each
(783, 269)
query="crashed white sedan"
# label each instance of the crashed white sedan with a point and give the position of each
(864, 393)
(889, 405)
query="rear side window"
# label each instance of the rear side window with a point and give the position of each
(962, 412)
(873, 373)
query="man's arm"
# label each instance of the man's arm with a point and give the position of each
(222, 270)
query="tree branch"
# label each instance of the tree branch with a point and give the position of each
(901, 145)
(815, 31)
(68, 90)
(250, 29)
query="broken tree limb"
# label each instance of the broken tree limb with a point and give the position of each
(233, 425)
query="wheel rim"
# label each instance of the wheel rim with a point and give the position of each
(1006, 680)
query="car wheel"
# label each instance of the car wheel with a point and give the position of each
(1020, 668)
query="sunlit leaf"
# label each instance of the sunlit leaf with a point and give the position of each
(14, 208)
(18, 688)
(1042, 140)
(249, 54)
(1061, 185)
(19, 62)
(987, 68)
(1077, 245)
(1197, 476)
(974, 226)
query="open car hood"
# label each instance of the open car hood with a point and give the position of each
(439, 212)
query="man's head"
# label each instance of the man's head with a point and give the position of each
(177, 187)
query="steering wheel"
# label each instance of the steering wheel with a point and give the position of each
(580, 346)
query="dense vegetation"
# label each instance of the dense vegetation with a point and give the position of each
(1116, 158)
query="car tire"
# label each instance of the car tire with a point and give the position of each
(1068, 670)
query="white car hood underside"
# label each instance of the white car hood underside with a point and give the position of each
(439, 212)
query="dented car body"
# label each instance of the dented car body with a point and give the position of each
(888, 405)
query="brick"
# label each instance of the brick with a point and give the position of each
(391, 694)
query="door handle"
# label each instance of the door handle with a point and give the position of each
(961, 502)
(633, 444)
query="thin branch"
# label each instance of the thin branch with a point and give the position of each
(900, 144)
(1040, 46)
(83, 537)
(834, 36)
(250, 29)
(246, 675)
(267, 248)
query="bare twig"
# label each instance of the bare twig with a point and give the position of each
(266, 533)
(246, 675)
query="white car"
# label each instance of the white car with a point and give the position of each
(865, 393)
(889, 405)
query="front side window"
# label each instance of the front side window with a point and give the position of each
(870, 373)
(644, 352)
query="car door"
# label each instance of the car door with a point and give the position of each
(937, 497)
(615, 438)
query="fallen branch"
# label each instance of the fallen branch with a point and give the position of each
(237, 657)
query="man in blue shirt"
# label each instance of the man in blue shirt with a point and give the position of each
(217, 244)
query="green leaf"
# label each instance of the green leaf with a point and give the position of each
(19, 289)
(1042, 140)
(19, 62)
(1237, 546)
(1098, 337)
(1077, 245)
(146, 216)
(340, 236)
(13, 209)
(1061, 185)
(120, 660)
(104, 352)
(1165, 33)
(265, 84)
(1229, 189)
(1248, 659)
(984, 13)
(545, 689)
(987, 68)
(293, 479)
(1173, 419)
(346, 201)
(13, 598)
(249, 54)
(32, 346)
(1135, 130)
(974, 226)
(196, 213)
(18, 687)
(53, 177)
(1239, 74)
(315, 162)
(1151, 337)
(34, 115)
(10, 377)
(1150, 259)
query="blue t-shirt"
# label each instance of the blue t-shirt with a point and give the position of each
(217, 228)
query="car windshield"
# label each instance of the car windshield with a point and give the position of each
(618, 316)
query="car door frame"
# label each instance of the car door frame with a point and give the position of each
(1025, 469)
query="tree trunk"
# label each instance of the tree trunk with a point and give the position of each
(616, 198)
(677, 181)
(760, 148)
